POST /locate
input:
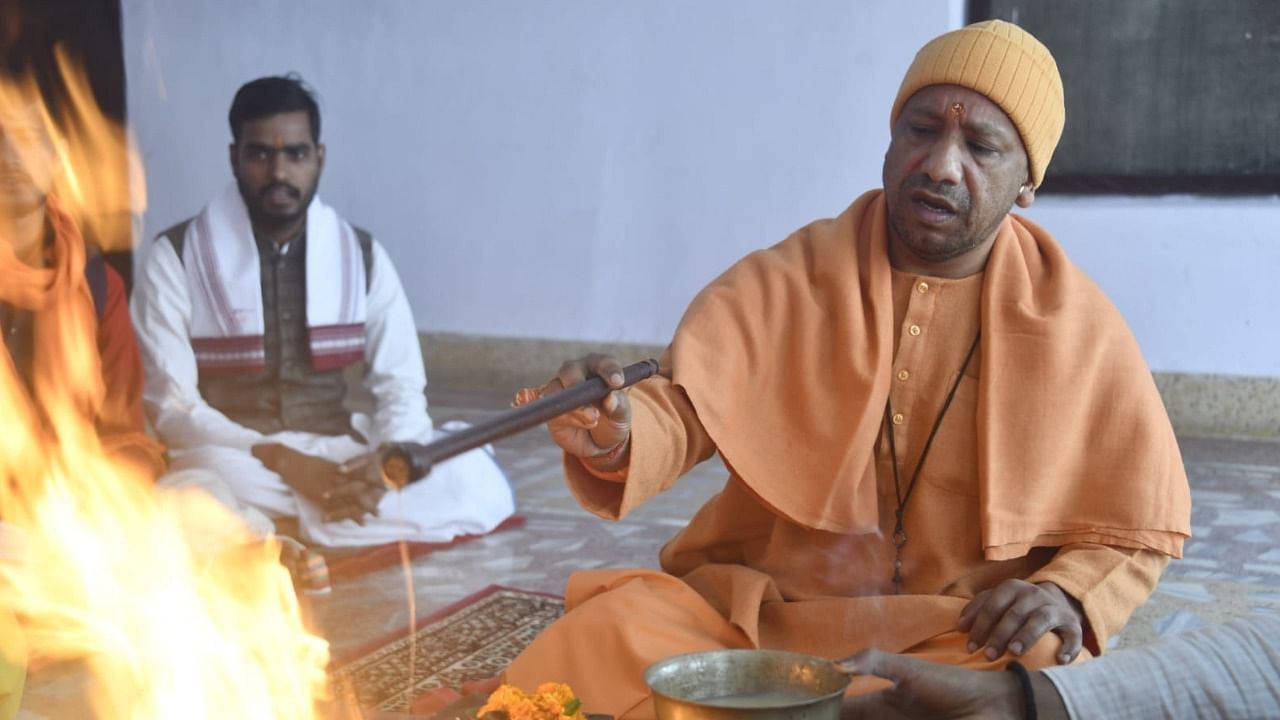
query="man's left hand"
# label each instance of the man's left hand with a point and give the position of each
(357, 492)
(1015, 614)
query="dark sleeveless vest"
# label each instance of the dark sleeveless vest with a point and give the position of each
(287, 394)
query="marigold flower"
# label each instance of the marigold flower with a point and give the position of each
(552, 701)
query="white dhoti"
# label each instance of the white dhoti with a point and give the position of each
(467, 495)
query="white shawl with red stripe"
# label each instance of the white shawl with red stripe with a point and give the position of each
(220, 257)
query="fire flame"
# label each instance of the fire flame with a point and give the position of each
(173, 609)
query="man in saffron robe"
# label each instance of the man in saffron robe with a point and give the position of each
(249, 315)
(941, 437)
(63, 315)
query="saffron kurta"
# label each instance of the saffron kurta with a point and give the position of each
(784, 365)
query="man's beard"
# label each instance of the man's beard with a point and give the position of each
(933, 252)
(261, 216)
(953, 246)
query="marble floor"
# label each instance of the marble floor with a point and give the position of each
(1231, 567)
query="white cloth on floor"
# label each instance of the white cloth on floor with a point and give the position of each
(212, 517)
(467, 495)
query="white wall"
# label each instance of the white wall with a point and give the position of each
(578, 169)
(1198, 279)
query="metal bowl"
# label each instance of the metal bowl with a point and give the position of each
(743, 684)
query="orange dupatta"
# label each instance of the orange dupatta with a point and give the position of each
(787, 357)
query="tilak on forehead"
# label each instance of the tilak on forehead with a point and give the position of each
(1007, 65)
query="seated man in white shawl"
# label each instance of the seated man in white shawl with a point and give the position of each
(249, 313)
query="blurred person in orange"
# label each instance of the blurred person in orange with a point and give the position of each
(60, 305)
(941, 437)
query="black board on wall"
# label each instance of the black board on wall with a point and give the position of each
(1163, 96)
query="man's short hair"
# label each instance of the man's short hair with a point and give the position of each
(273, 95)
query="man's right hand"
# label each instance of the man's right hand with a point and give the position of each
(320, 481)
(600, 434)
(927, 690)
(923, 689)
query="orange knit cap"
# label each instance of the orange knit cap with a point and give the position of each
(1008, 65)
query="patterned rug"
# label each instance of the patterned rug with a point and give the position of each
(473, 639)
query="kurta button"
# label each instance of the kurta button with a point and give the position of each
(923, 287)
(898, 418)
(914, 329)
(903, 375)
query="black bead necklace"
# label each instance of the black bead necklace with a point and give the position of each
(899, 529)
